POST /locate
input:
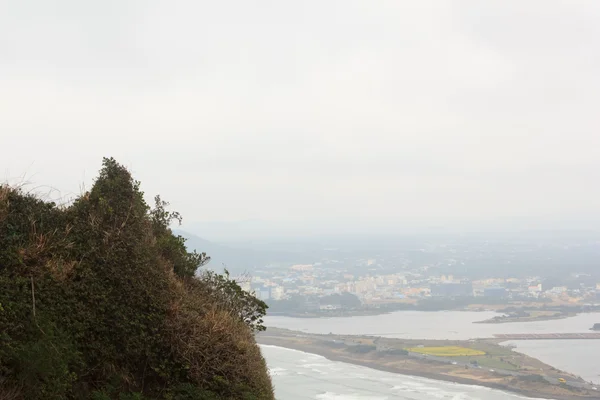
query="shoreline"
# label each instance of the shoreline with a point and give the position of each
(378, 312)
(483, 381)
(419, 374)
(509, 320)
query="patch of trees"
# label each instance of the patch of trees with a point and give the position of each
(533, 378)
(344, 300)
(100, 300)
(299, 303)
(295, 303)
(333, 344)
(396, 352)
(361, 348)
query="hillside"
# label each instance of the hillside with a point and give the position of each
(100, 300)
(239, 260)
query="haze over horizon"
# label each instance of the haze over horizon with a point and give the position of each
(313, 117)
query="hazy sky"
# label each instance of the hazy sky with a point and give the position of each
(369, 111)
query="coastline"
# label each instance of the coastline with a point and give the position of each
(349, 313)
(342, 314)
(536, 390)
(508, 320)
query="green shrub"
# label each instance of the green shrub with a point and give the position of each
(361, 348)
(396, 352)
(99, 300)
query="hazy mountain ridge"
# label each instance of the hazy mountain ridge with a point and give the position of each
(237, 259)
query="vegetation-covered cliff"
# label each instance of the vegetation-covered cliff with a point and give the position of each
(100, 300)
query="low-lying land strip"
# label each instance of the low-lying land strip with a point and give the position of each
(476, 362)
(547, 336)
(527, 315)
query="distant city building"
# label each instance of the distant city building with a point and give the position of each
(302, 267)
(277, 293)
(451, 289)
(264, 293)
(556, 291)
(330, 307)
(535, 288)
(416, 292)
(498, 292)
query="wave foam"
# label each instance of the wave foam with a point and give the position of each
(338, 396)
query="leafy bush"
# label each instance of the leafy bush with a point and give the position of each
(397, 352)
(334, 344)
(361, 348)
(229, 294)
(100, 300)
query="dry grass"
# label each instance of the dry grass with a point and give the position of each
(8, 392)
(215, 343)
(60, 269)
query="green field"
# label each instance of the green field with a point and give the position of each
(495, 363)
(446, 351)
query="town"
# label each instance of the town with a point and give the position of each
(327, 287)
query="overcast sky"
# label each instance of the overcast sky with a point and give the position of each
(379, 112)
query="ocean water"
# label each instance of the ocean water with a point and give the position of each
(302, 376)
(457, 325)
(580, 357)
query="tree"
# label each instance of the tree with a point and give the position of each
(349, 300)
(171, 247)
(231, 296)
(344, 300)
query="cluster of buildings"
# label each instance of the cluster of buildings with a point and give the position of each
(409, 286)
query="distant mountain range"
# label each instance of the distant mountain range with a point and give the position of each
(534, 253)
(238, 260)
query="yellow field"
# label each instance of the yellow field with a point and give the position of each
(446, 351)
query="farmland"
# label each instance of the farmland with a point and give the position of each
(446, 351)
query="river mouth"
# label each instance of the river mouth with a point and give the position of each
(299, 375)
(578, 357)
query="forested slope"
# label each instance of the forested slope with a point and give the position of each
(100, 300)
